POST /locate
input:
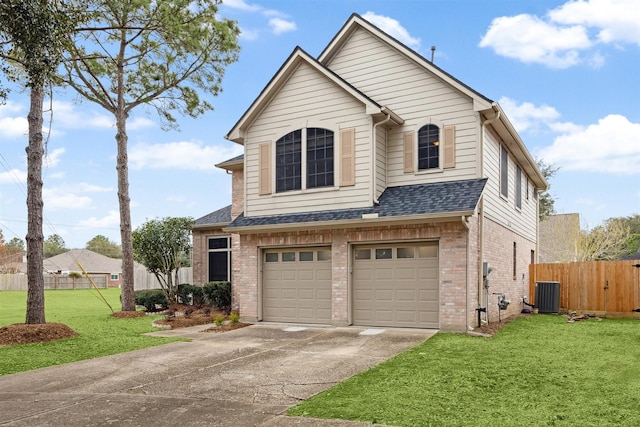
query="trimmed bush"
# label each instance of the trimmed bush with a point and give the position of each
(218, 294)
(150, 298)
(190, 294)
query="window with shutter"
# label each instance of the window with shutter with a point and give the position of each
(408, 152)
(264, 160)
(428, 147)
(347, 157)
(449, 146)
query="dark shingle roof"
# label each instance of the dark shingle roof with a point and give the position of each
(221, 216)
(409, 200)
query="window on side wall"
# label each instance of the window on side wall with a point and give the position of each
(504, 172)
(428, 147)
(518, 184)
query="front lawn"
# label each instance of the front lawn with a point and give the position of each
(99, 334)
(537, 371)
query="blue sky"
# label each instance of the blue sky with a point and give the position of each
(566, 73)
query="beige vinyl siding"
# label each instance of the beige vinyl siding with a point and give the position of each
(308, 99)
(418, 97)
(496, 207)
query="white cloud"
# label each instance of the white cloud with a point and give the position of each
(531, 40)
(610, 146)
(53, 158)
(191, 155)
(279, 25)
(13, 176)
(614, 20)
(565, 36)
(112, 219)
(13, 120)
(248, 34)
(59, 198)
(393, 28)
(527, 116)
(242, 5)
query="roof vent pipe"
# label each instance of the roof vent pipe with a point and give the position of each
(433, 53)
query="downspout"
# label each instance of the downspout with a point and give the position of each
(374, 153)
(496, 109)
(465, 224)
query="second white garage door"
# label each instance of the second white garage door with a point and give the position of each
(296, 285)
(396, 285)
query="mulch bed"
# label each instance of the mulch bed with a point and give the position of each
(494, 326)
(21, 333)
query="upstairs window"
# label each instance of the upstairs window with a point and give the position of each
(518, 188)
(289, 162)
(429, 147)
(319, 158)
(316, 146)
(504, 172)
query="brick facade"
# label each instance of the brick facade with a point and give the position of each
(458, 278)
(499, 252)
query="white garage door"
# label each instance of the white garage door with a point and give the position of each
(396, 285)
(296, 285)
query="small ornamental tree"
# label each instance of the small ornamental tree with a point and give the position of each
(162, 245)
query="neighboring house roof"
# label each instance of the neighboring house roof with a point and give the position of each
(558, 236)
(632, 256)
(92, 262)
(379, 112)
(220, 218)
(436, 200)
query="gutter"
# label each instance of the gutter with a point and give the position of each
(348, 223)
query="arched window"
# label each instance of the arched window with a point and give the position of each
(429, 147)
(289, 162)
(317, 146)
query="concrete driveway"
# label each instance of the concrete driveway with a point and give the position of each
(246, 377)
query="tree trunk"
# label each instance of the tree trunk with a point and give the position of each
(128, 297)
(35, 237)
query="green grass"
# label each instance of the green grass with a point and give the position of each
(537, 371)
(84, 312)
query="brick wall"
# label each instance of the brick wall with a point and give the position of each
(457, 283)
(498, 251)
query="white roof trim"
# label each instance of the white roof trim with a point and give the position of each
(356, 21)
(298, 56)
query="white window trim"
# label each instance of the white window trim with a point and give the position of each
(416, 147)
(303, 126)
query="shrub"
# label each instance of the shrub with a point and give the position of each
(234, 317)
(219, 320)
(218, 294)
(190, 294)
(150, 298)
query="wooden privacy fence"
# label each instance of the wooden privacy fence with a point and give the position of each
(594, 286)
(142, 280)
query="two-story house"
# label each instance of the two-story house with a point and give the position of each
(372, 189)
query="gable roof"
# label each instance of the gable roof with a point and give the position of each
(356, 21)
(481, 103)
(218, 218)
(420, 202)
(92, 262)
(298, 56)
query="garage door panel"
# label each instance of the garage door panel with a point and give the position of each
(400, 290)
(296, 286)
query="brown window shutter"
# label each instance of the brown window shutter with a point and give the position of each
(264, 159)
(449, 135)
(409, 147)
(347, 157)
